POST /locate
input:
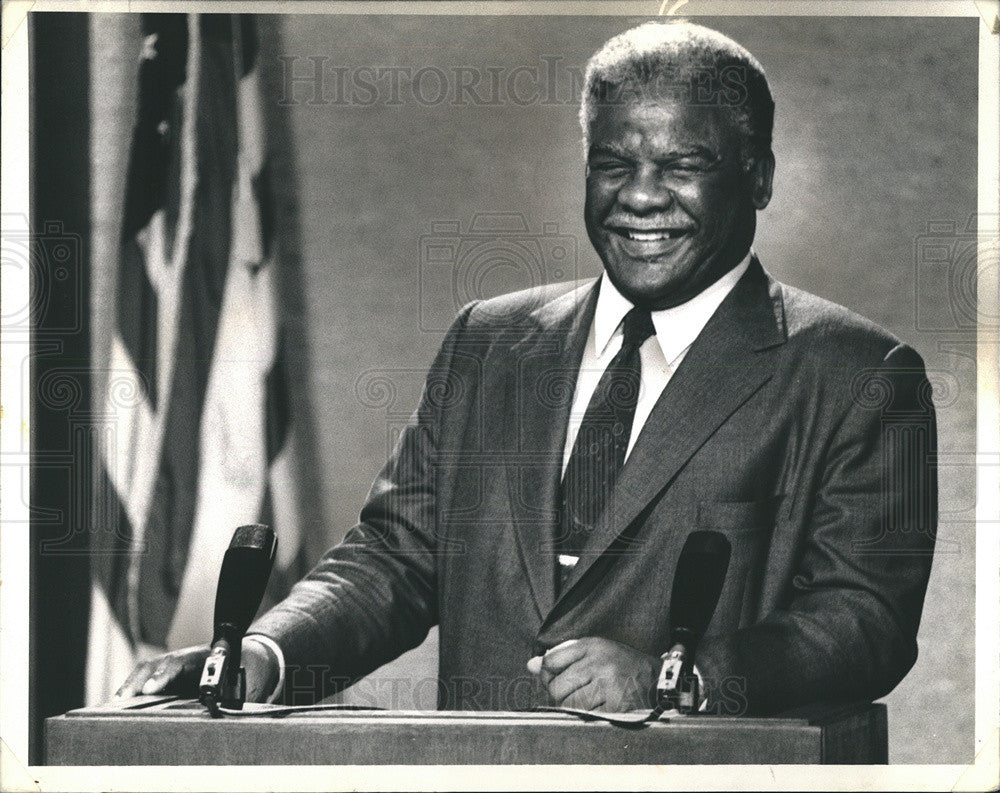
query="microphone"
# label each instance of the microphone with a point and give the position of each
(242, 580)
(701, 572)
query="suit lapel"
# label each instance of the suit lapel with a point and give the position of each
(544, 367)
(729, 361)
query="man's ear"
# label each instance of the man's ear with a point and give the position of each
(761, 176)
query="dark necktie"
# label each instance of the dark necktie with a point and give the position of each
(599, 450)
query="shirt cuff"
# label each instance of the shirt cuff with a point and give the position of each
(279, 656)
(701, 687)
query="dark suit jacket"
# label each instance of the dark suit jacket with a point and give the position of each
(801, 431)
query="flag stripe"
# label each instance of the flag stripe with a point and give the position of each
(171, 513)
(277, 410)
(110, 545)
(129, 452)
(236, 426)
(137, 305)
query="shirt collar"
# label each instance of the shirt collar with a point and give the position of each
(677, 327)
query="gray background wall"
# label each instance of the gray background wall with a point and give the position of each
(875, 138)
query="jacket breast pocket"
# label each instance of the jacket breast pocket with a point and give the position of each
(748, 526)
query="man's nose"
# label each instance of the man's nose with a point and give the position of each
(645, 191)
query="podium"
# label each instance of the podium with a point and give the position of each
(169, 731)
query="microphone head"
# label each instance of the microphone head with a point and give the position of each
(701, 572)
(243, 578)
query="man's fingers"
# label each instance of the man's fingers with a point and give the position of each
(176, 672)
(555, 662)
(163, 674)
(134, 682)
(595, 673)
(563, 655)
(592, 696)
(565, 685)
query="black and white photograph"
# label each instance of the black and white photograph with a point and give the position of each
(537, 395)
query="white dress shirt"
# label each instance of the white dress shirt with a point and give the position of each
(660, 355)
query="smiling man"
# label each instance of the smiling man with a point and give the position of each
(671, 196)
(566, 446)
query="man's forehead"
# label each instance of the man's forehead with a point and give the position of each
(630, 127)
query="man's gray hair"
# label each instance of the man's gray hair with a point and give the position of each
(682, 62)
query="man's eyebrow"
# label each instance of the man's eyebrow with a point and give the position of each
(693, 151)
(610, 149)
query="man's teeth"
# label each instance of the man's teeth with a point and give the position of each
(650, 236)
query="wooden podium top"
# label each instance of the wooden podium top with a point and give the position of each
(168, 731)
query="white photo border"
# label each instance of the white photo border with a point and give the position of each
(982, 774)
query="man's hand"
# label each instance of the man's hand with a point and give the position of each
(179, 672)
(597, 674)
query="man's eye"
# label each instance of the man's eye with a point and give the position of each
(689, 167)
(610, 168)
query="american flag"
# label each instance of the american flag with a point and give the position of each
(199, 441)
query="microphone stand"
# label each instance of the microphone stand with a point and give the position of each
(677, 687)
(223, 679)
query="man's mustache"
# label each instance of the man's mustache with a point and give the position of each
(674, 226)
